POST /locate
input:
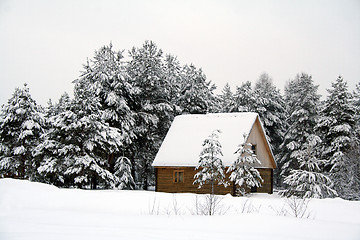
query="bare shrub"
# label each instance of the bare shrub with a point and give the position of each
(249, 207)
(209, 204)
(298, 207)
(153, 207)
(295, 207)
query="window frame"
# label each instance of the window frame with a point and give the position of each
(254, 149)
(178, 176)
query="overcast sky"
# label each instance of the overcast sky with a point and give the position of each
(45, 43)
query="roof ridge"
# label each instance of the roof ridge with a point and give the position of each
(232, 114)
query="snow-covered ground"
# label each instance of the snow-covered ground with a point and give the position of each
(38, 211)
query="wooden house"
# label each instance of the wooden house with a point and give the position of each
(179, 153)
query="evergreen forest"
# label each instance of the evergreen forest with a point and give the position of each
(107, 134)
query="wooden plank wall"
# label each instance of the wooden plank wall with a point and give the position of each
(165, 183)
(267, 176)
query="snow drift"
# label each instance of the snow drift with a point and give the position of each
(38, 211)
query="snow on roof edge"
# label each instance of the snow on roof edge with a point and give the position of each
(183, 142)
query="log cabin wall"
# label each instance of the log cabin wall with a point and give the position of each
(267, 176)
(165, 182)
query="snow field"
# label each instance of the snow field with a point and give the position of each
(39, 211)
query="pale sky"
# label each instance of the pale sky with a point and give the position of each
(45, 43)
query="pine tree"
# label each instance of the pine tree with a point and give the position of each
(302, 106)
(122, 170)
(210, 167)
(243, 173)
(21, 124)
(337, 126)
(308, 181)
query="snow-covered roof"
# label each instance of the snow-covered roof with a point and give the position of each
(183, 142)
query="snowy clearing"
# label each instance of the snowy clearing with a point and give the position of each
(39, 211)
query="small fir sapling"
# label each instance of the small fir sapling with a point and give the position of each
(210, 167)
(123, 173)
(243, 173)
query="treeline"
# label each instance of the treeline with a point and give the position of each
(107, 135)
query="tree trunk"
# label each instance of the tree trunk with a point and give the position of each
(22, 167)
(145, 177)
(212, 186)
(93, 183)
(111, 162)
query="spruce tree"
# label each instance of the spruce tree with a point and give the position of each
(309, 181)
(123, 173)
(244, 98)
(210, 167)
(243, 172)
(21, 124)
(227, 100)
(54, 150)
(302, 106)
(75, 150)
(153, 110)
(196, 94)
(270, 106)
(337, 126)
(106, 73)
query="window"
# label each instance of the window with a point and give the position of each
(253, 148)
(178, 176)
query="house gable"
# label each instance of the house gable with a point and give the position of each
(263, 151)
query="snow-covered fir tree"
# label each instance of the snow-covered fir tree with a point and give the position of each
(337, 120)
(173, 78)
(106, 74)
(264, 99)
(356, 105)
(243, 172)
(152, 106)
(21, 124)
(270, 106)
(123, 173)
(244, 97)
(53, 151)
(308, 181)
(61, 106)
(77, 146)
(196, 94)
(337, 127)
(96, 140)
(227, 101)
(302, 106)
(210, 167)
